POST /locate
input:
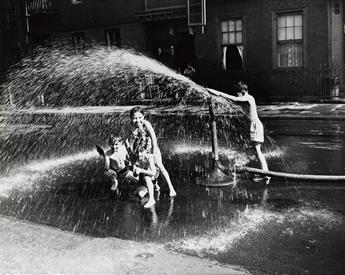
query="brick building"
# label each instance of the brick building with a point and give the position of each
(13, 41)
(285, 50)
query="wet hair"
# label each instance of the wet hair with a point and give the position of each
(240, 86)
(136, 109)
(114, 139)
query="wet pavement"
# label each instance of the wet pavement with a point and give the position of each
(61, 184)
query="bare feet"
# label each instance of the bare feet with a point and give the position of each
(114, 185)
(267, 180)
(149, 203)
(172, 193)
(142, 193)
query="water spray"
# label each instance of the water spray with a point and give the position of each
(216, 177)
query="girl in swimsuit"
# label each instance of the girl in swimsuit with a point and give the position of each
(143, 139)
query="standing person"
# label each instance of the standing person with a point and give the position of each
(256, 127)
(189, 71)
(143, 128)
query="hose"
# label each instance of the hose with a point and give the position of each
(290, 175)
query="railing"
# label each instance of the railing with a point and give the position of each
(331, 81)
(302, 84)
(38, 6)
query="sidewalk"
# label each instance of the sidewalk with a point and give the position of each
(28, 248)
(295, 110)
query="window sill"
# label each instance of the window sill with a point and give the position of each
(222, 71)
(288, 69)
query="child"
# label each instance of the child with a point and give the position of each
(145, 167)
(143, 164)
(256, 127)
(143, 136)
(189, 71)
(116, 163)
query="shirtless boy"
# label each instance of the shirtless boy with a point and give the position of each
(256, 127)
(116, 163)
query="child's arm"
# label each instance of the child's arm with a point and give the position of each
(152, 135)
(130, 153)
(106, 162)
(148, 172)
(243, 98)
(226, 96)
(107, 169)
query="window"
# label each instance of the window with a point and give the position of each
(113, 38)
(232, 44)
(290, 40)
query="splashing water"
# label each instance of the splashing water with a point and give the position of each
(59, 76)
(255, 221)
(26, 176)
(72, 82)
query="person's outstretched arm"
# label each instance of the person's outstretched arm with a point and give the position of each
(226, 96)
(218, 93)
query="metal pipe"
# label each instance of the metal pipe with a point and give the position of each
(216, 177)
(290, 175)
(214, 133)
(27, 23)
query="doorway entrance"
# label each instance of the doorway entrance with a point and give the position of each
(173, 45)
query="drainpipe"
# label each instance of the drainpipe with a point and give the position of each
(27, 23)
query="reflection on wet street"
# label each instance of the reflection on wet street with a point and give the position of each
(288, 227)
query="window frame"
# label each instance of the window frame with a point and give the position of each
(275, 41)
(221, 44)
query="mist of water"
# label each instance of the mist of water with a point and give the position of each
(59, 76)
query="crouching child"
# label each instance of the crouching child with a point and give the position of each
(116, 163)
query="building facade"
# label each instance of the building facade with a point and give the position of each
(284, 50)
(13, 41)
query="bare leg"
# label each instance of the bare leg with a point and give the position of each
(114, 184)
(159, 163)
(149, 185)
(157, 188)
(166, 176)
(261, 157)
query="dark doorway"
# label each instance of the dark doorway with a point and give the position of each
(184, 50)
(172, 45)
